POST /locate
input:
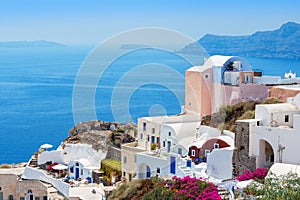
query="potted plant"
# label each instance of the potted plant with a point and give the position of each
(36, 154)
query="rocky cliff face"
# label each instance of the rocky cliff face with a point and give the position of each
(101, 134)
(280, 43)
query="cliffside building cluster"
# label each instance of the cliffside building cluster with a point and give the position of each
(179, 145)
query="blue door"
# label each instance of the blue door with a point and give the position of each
(1, 195)
(173, 165)
(189, 163)
(169, 146)
(76, 173)
(148, 172)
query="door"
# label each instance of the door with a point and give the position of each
(173, 165)
(189, 163)
(169, 146)
(148, 172)
(76, 173)
(1, 195)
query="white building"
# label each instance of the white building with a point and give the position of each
(274, 133)
(150, 131)
(173, 157)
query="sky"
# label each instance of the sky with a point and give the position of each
(92, 21)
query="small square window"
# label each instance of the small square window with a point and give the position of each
(207, 151)
(193, 152)
(158, 170)
(216, 145)
(206, 76)
(286, 118)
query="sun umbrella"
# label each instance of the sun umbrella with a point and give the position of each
(60, 167)
(46, 146)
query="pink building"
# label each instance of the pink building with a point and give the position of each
(222, 80)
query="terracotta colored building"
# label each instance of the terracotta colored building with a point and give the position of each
(222, 80)
(198, 151)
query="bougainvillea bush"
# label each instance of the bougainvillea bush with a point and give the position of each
(193, 188)
(258, 175)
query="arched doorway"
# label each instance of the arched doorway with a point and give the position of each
(266, 154)
(144, 171)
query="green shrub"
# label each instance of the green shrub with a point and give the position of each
(110, 166)
(5, 166)
(153, 146)
(158, 193)
(250, 114)
(276, 187)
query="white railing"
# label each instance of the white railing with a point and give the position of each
(36, 174)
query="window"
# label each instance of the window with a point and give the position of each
(130, 177)
(77, 164)
(157, 139)
(180, 151)
(286, 118)
(216, 145)
(81, 171)
(44, 197)
(10, 197)
(257, 123)
(148, 138)
(207, 151)
(190, 103)
(141, 136)
(124, 174)
(158, 170)
(0, 188)
(193, 152)
(206, 76)
(152, 139)
(37, 198)
(124, 159)
(22, 198)
(169, 133)
(144, 126)
(153, 130)
(71, 169)
(164, 143)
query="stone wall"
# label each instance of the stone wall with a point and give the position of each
(241, 160)
(113, 153)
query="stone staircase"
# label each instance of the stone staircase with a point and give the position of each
(225, 194)
(187, 171)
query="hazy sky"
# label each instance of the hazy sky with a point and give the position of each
(92, 21)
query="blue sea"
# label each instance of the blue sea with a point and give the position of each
(36, 88)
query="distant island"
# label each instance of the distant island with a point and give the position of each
(37, 43)
(280, 43)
